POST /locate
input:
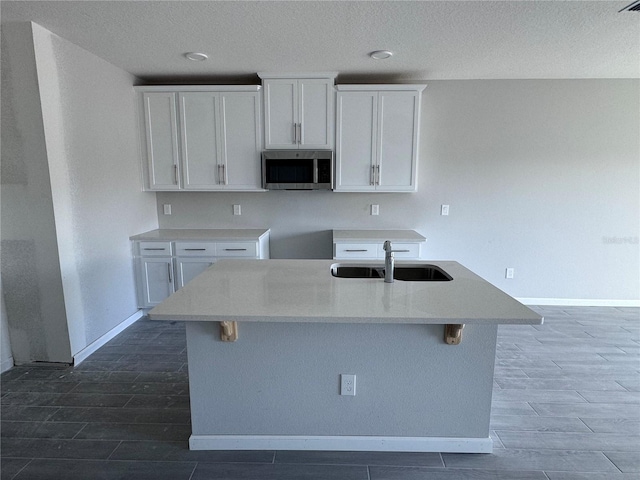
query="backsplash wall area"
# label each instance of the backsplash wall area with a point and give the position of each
(542, 176)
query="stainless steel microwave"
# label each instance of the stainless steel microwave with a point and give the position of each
(297, 169)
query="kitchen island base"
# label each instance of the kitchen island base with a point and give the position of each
(278, 387)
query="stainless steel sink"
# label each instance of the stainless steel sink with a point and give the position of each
(406, 273)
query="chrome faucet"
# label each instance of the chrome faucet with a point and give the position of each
(389, 262)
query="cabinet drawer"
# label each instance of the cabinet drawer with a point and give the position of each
(412, 253)
(195, 249)
(356, 250)
(154, 249)
(236, 249)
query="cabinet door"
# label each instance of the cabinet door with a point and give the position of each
(156, 276)
(357, 119)
(316, 97)
(189, 268)
(240, 146)
(397, 141)
(281, 113)
(161, 140)
(199, 117)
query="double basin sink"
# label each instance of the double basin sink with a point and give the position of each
(407, 273)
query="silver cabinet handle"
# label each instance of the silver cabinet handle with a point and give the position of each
(169, 271)
(378, 174)
(197, 249)
(295, 133)
(358, 250)
(299, 133)
(161, 249)
(372, 178)
(224, 174)
(175, 174)
(235, 249)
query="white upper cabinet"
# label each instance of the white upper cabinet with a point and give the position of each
(377, 133)
(298, 112)
(200, 132)
(241, 143)
(161, 140)
(214, 144)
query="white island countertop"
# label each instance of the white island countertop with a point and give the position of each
(305, 291)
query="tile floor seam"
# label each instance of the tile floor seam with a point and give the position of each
(612, 462)
(114, 450)
(25, 466)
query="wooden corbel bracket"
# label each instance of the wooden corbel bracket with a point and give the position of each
(228, 331)
(453, 333)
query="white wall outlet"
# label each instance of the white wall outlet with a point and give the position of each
(167, 208)
(347, 384)
(509, 272)
(237, 210)
(375, 209)
(444, 209)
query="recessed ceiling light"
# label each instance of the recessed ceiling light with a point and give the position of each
(380, 54)
(196, 57)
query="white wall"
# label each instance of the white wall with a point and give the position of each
(542, 176)
(92, 143)
(87, 114)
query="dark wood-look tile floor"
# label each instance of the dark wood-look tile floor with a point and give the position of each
(566, 407)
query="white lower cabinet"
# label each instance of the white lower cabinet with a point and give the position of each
(155, 280)
(368, 244)
(189, 268)
(162, 267)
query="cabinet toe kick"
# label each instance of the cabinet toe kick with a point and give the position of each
(228, 331)
(453, 333)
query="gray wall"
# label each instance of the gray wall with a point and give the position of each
(408, 381)
(87, 148)
(542, 176)
(31, 278)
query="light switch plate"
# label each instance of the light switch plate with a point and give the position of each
(375, 209)
(444, 210)
(237, 210)
(167, 208)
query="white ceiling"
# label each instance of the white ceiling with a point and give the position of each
(430, 39)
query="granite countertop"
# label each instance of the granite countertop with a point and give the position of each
(194, 235)
(377, 235)
(305, 291)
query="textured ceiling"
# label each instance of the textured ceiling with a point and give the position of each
(430, 39)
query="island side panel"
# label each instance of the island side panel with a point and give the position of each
(284, 379)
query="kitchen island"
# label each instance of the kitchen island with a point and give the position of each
(297, 329)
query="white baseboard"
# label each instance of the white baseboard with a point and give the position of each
(82, 355)
(578, 302)
(7, 364)
(341, 443)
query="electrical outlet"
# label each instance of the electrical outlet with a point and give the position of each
(347, 384)
(237, 210)
(444, 209)
(375, 209)
(509, 273)
(167, 208)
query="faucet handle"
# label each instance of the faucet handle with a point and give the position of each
(387, 246)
